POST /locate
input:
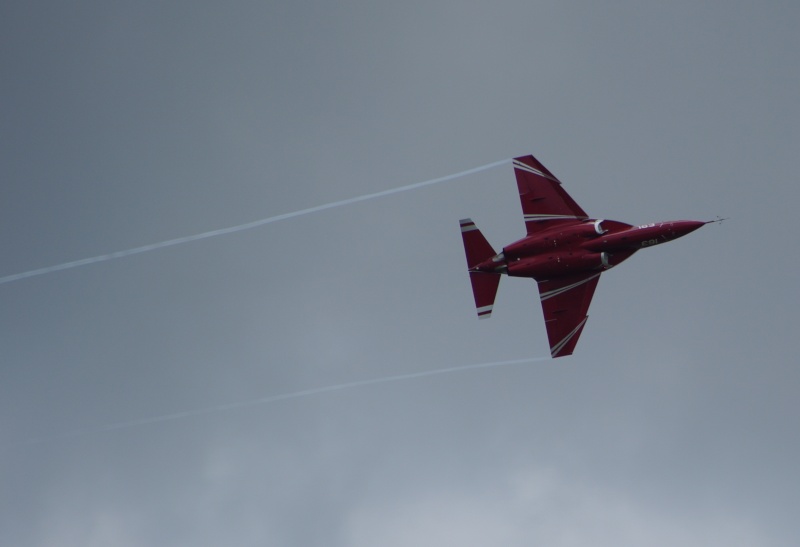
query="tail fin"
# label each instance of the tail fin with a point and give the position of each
(484, 285)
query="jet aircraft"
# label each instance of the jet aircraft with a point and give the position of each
(564, 250)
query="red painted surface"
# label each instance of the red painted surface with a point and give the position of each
(564, 250)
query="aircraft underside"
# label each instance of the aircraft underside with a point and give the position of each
(564, 250)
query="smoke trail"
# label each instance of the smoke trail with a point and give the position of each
(240, 227)
(271, 399)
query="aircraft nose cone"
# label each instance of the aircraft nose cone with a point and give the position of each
(683, 227)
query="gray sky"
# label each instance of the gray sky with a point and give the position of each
(128, 123)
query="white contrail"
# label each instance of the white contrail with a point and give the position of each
(240, 227)
(271, 399)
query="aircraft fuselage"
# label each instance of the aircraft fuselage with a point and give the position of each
(564, 250)
(582, 246)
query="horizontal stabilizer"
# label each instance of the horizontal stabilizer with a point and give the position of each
(475, 245)
(484, 285)
(484, 288)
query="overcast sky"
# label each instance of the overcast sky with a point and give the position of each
(126, 123)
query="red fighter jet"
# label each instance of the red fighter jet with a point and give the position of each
(565, 251)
